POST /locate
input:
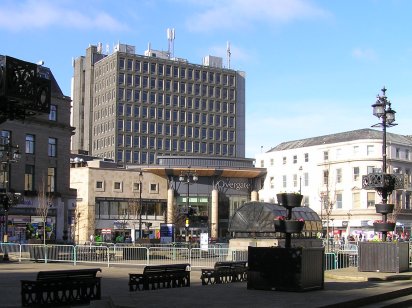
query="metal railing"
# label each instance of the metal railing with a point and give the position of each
(345, 256)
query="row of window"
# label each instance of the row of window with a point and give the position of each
(179, 130)
(338, 177)
(339, 152)
(284, 160)
(31, 145)
(168, 85)
(153, 97)
(370, 151)
(124, 210)
(144, 157)
(183, 117)
(175, 71)
(118, 187)
(29, 179)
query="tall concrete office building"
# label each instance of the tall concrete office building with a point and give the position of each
(134, 108)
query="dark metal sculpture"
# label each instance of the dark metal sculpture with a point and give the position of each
(23, 92)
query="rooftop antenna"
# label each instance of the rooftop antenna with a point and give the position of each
(171, 38)
(228, 54)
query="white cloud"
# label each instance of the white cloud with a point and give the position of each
(239, 14)
(23, 15)
(364, 53)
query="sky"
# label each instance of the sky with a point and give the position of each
(313, 67)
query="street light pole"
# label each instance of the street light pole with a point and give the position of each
(188, 177)
(300, 179)
(140, 203)
(10, 154)
(382, 110)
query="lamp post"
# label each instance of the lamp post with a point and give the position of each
(140, 203)
(188, 177)
(9, 154)
(383, 111)
(300, 179)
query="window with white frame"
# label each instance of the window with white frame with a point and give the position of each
(52, 147)
(30, 144)
(355, 150)
(370, 150)
(99, 186)
(339, 175)
(356, 200)
(272, 161)
(306, 179)
(325, 155)
(136, 186)
(295, 180)
(371, 199)
(284, 181)
(338, 153)
(356, 173)
(325, 177)
(117, 186)
(284, 160)
(397, 152)
(295, 159)
(306, 157)
(262, 163)
(154, 188)
(272, 182)
(339, 203)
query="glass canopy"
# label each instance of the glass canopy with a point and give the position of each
(256, 219)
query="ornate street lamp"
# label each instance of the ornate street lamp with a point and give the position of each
(8, 154)
(140, 203)
(384, 183)
(188, 177)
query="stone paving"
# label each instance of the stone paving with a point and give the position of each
(340, 286)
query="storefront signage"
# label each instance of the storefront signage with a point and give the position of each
(221, 184)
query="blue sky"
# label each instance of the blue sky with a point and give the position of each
(313, 67)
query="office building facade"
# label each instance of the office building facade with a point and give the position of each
(135, 108)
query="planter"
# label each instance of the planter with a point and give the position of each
(383, 208)
(293, 226)
(289, 226)
(279, 226)
(384, 226)
(285, 269)
(289, 199)
(385, 257)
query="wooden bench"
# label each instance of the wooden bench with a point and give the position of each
(161, 276)
(224, 272)
(61, 288)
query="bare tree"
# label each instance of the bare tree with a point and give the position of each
(45, 203)
(134, 210)
(328, 200)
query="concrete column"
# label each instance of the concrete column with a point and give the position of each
(170, 203)
(214, 215)
(254, 196)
